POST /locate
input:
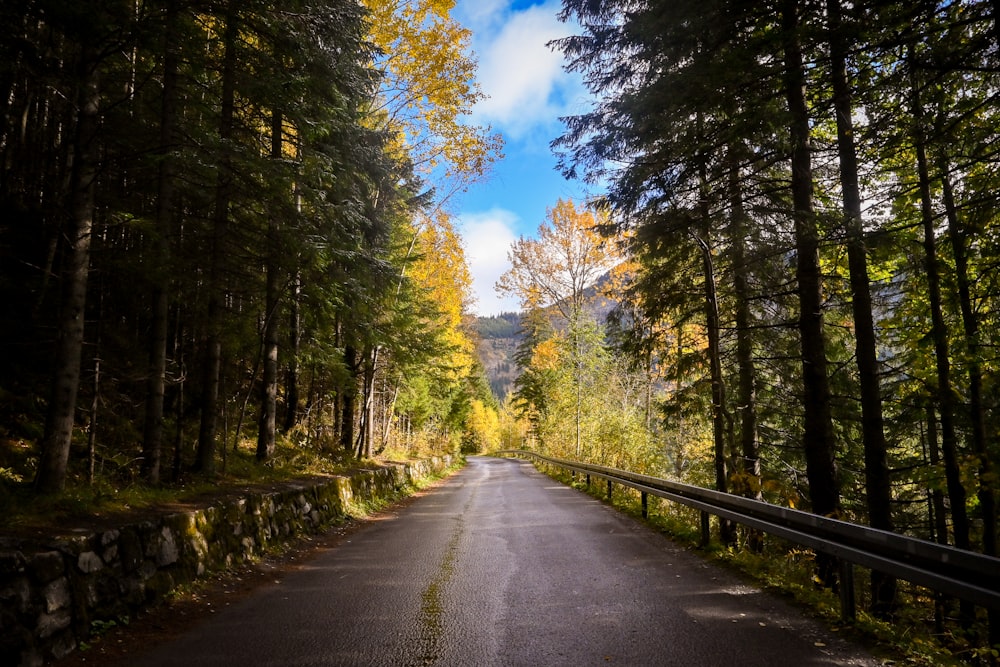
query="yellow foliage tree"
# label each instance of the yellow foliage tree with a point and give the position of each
(441, 272)
(428, 88)
(482, 428)
(568, 256)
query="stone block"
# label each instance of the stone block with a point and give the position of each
(105, 574)
(57, 595)
(89, 562)
(63, 645)
(130, 550)
(17, 594)
(167, 553)
(49, 624)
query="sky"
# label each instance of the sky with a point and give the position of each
(527, 92)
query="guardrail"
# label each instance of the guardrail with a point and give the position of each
(962, 574)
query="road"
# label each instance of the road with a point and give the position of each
(499, 565)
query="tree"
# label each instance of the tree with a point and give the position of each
(818, 440)
(428, 86)
(297, 179)
(558, 267)
(877, 481)
(212, 348)
(152, 441)
(65, 382)
(568, 256)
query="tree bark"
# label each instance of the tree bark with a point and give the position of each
(269, 390)
(156, 370)
(970, 323)
(292, 368)
(205, 458)
(726, 532)
(349, 398)
(366, 430)
(878, 485)
(750, 485)
(747, 383)
(818, 439)
(944, 393)
(61, 410)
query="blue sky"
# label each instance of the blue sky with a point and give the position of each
(528, 90)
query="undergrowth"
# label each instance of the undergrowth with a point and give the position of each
(116, 489)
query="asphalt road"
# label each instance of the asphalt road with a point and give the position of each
(499, 565)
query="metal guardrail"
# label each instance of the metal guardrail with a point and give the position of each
(962, 574)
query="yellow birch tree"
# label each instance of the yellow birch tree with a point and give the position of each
(568, 256)
(428, 89)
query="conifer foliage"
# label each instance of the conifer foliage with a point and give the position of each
(206, 227)
(809, 197)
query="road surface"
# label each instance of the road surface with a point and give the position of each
(500, 565)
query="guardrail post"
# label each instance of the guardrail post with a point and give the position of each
(645, 505)
(609, 490)
(706, 535)
(588, 481)
(848, 604)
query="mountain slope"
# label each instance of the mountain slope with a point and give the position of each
(499, 336)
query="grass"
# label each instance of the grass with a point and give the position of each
(117, 490)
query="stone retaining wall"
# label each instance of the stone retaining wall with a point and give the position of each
(53, 594)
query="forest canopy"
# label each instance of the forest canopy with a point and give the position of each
(221, 224)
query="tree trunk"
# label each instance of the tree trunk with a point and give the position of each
(878, 485)
(939, 523)
(939, 333)
(818, 439)
(366, 432)
(95, 403)
(205, 458)
(61, 410)
(710, 290)
(970, 323)
(269, 391)
(744, 340)
(348, 400)
(821, 468)
(718, 386)
(578, 379)
(156, 370)
(747, 381)
(292, 369)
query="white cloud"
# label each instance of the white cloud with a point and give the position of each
(481, 15)
(487, 237)
(522, 77)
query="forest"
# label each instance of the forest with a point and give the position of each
(223, 226)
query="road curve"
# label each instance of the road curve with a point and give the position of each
(499, 565)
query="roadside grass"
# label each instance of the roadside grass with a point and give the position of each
(909, 638)
(117, 490)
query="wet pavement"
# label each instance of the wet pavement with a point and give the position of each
(500, 565)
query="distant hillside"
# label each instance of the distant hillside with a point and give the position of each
(499, 336)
